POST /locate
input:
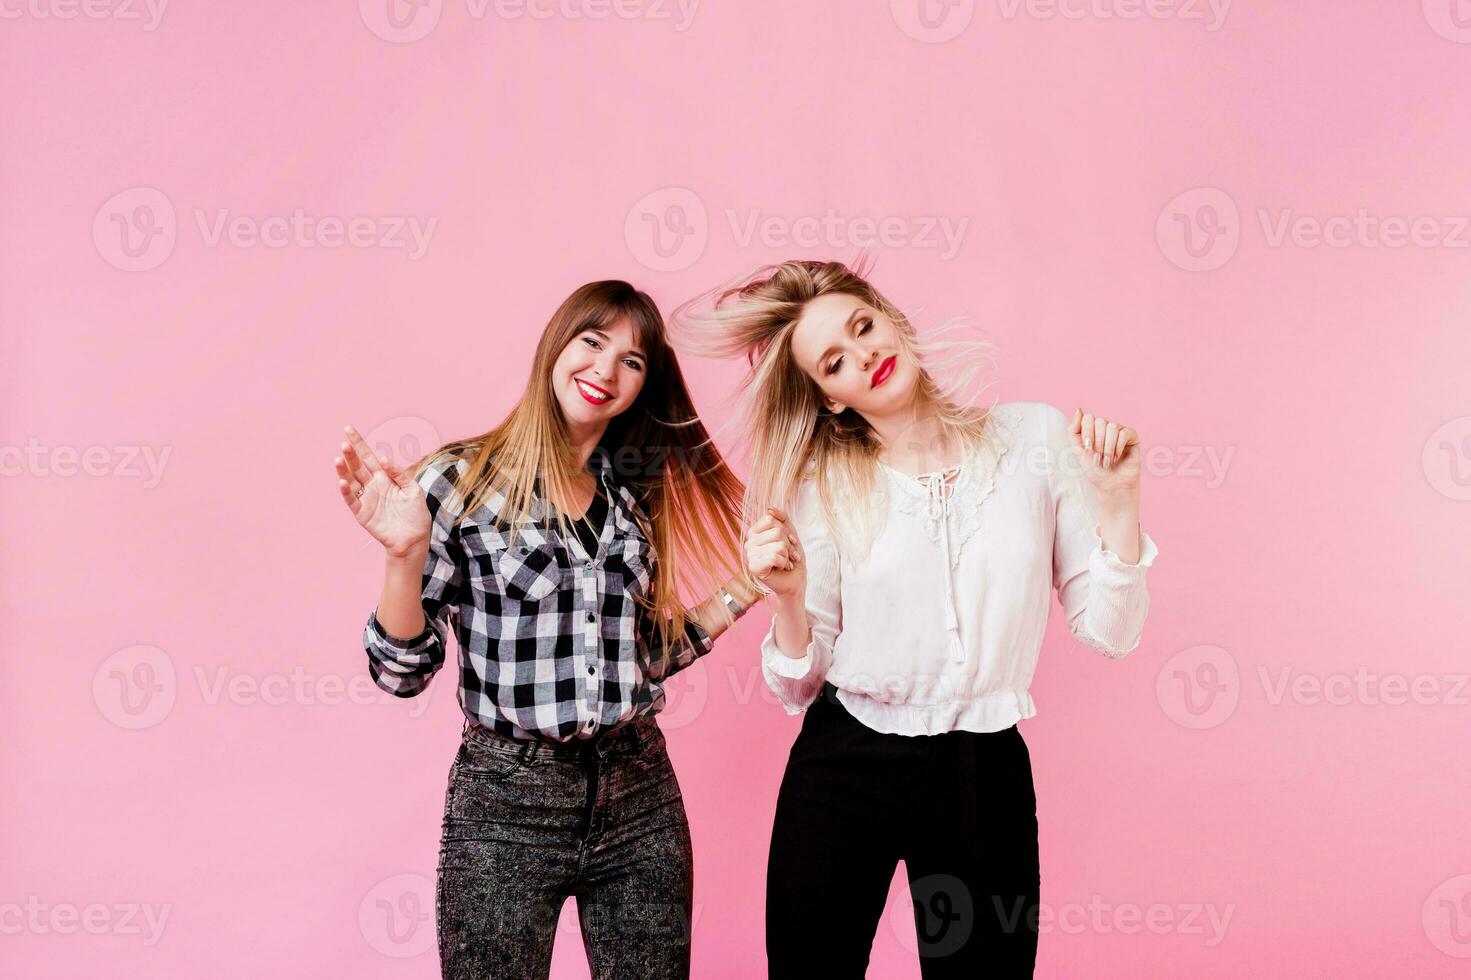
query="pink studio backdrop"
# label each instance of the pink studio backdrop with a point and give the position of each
(230, 229)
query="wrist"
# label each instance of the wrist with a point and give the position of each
(789, 603)
(1122, 503)
(413, 554)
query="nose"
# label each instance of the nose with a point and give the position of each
(604, 365)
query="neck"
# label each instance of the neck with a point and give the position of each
(585, 440)
(912, 438)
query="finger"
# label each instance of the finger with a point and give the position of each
(778, 513)
(349, 496)
(395, 473)
(779, 549)
(345, 475)
(768, 536)
(1110, 443)
(1086, 431)
(1100, 430)
(763, 522)
(1127, 437)
(359, 456)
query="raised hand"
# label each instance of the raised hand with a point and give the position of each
(774, 554)
(1109, 452)
(386, 501)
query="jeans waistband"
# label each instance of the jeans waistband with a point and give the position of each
(628, 736)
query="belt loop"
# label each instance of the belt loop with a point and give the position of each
(528, 753)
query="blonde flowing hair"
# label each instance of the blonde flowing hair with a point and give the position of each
(689, 497)
(790, 433)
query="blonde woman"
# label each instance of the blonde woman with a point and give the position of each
(910, 546)
(553, 547)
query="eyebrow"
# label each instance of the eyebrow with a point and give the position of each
(858, 312)
(604, 334)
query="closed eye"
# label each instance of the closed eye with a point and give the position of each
(838, 361)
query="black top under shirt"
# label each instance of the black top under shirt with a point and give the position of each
(590, 526)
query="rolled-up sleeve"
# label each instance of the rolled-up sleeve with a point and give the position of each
(1104, 599)
(404, 666)
(682, 650)
(797, 681)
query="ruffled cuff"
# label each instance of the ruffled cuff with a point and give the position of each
(1118, 597)
(792, 668)
(1147, 553)
(790, 678)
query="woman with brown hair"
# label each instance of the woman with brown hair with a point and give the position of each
(911, 543)
(554, 548)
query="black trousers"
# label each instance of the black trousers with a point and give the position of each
(960, 811)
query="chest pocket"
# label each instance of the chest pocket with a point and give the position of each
(634, 559)
(528, 571)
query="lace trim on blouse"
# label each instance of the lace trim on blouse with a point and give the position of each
(948, 504)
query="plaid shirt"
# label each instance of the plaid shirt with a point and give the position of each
(552, 643)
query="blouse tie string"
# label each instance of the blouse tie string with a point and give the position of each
(941, 491)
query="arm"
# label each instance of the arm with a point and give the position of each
(797, 651)
(1100, 555)
(703, 626)
(405, 634)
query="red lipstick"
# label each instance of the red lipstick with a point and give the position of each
(884, 370)
(591, 399)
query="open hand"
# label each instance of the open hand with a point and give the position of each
(386, 501)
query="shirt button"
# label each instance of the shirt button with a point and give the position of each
(592, 670)
(589, 564)
(592, 618)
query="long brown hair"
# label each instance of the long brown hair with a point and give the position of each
(790, 431)
(659, 447)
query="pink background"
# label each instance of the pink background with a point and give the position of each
(188, 728)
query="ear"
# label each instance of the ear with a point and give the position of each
(836, 407)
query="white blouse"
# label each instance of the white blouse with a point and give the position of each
(939, 628)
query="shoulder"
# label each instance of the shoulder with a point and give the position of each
(1027, 424)
(438, 475)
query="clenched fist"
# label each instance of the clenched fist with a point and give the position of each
(1109, 452)
(774, 555)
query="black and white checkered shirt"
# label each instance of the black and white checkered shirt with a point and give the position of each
(552, 643)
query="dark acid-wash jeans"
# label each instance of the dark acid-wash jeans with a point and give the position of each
(528, 823)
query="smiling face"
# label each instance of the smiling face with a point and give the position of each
(855, 355)
(599, 374)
